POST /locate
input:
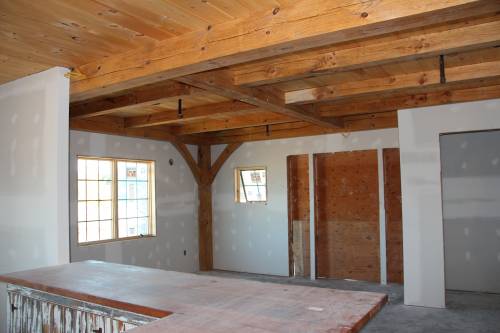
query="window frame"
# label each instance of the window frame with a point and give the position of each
(238, 180)
(114, 199)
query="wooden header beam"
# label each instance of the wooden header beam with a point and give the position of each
(298, 129)
(170, 117)
(452, 38)
(459, 68)
(142, 96)
(308, 24)
(220, 82)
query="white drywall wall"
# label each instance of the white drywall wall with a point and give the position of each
(254, 237)
(176, 205)
(33, 174)
(471, 210)
(419, 131)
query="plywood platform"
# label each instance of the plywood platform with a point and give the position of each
(203, 303)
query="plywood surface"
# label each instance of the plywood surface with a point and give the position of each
(298, 214)
(393, 215)
(347, 215)
(205, 303)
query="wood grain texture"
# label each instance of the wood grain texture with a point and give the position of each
(298, 215)
(205, 208)
(347, 218)
(209, 304)
(308, 24)
(426, 42)
(393, 215)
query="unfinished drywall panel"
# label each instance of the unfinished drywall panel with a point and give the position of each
(254, 237)
(176, 205)
(393, 215)
(347, 215)
(298, 215)
(470, 164)
(419, 131)
(33, 174)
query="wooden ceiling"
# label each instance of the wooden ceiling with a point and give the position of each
(254, 70)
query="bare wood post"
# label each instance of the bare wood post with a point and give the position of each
(205, 208)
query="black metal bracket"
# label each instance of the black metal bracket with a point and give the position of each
(442, 72)
(179, 109)
(13, 307)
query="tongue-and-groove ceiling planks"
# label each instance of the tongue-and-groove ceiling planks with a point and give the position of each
(276, 68)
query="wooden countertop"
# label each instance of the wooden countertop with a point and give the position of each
(197, 303)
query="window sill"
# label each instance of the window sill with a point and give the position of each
(115, 240)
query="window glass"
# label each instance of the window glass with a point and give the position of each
(251, 185)
(115, 199)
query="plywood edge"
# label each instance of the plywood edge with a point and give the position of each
(135, 308)
(369, 315)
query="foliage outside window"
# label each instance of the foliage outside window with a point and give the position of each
(251, 184)
(115, 199)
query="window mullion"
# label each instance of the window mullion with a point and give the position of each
(244, 186)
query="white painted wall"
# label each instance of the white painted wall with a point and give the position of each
(254, 237)
(33, 174)
(176, 205)
(471, 210)
(419, 131)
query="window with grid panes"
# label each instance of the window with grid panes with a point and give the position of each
(251, 184)
(115, 199)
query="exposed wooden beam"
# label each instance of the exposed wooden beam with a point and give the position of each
(220, 82)
(298, 129)
(205, 208)
(377, 104)
(143, 96)
(186, 154)
(445, 39)
(461, 67)
(308, 24)
(226, 153)
(197, 113)
(241, 121)
(115, 126)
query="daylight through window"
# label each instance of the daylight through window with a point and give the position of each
(115, 199)
(251, 185)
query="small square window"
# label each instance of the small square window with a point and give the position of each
(251, 184)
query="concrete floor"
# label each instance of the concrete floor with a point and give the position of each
(466, 311)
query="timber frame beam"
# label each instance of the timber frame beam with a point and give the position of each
(308, 24)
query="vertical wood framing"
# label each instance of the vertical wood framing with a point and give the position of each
(393, 207)
(205, 208)
(298, 215)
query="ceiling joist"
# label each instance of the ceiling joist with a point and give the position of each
(308, 24)
(456, 37)
(463, 67)
(220, 83)
(139, 97)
